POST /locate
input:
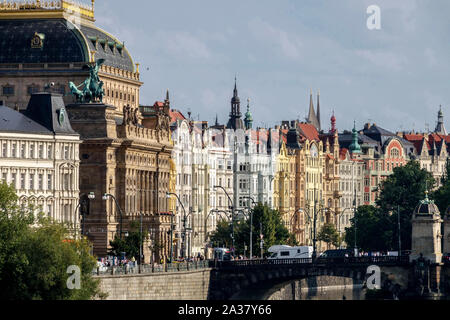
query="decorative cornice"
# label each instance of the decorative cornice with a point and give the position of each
(45, 9)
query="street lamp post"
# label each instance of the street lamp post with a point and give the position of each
(140, 248)
(356, 224)
(168, 194)
(251, 225)
(340, 218)
(232, 215)
(106, 196)
(309, 219)
(91, 196)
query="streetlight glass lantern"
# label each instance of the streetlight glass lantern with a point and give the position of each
(105, 197)
(91, 195)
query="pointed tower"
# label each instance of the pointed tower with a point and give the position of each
(333, 124)
(235, 122)
(248, 117)
(440, 128)
(217, 120)
(355, 147)
(312, 118)
(335, 136)
(167, 101)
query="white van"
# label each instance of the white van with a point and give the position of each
(288, 252)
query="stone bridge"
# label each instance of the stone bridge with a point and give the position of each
(259, 279)
(262, 279)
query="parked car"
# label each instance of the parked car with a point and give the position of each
(338, 255)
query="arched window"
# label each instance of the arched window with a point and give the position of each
(395, 153)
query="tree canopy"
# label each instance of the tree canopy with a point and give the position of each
(400, 193)
(329, 235)
(273, 230)
(129, 244)
(35, 254)
(442, 195)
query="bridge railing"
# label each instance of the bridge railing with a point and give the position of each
(147, 268)
(384, 260)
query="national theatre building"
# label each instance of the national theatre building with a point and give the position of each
(124, 162)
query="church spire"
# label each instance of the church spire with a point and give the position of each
(235, 121)
(248, 117)
(440, 128)
(312, 118)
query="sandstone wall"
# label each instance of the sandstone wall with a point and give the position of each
(190, 285)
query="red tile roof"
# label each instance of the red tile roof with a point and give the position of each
(343, 153)
(309, 131)
(176, 115)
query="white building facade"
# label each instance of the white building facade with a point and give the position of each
(42, 164)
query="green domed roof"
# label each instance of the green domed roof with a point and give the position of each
(61, 42)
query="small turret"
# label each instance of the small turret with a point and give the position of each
(355, 147)
(248, 117)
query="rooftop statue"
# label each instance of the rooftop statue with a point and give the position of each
(93, 87)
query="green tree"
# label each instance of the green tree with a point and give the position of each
(401, 193)
(373, 230)
(329, 235)
(273, 230)
(442, 195)
(35, 254)
(129, 244)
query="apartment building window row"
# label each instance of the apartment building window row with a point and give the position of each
(26, 150)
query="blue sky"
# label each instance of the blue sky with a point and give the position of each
(396, 77)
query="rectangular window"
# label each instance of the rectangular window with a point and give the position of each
(22, 181)
(31, 181)
(14, 179)
(41, 151)
(22, 150)
(50, 152)
(49, 182)
(14, 150)
(32, 89)
(4, 177)
(4, 149)
(66, 181)
(32, 151)
(8, 90)
(40, 182)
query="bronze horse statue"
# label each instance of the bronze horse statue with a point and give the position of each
(93, 87)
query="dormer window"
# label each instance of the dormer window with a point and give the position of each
(94, 41)
(120, 48)
(102, 43)
(112, 46)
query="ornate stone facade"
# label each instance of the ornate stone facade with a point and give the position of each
(131, 162)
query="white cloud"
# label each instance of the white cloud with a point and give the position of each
(289, 44)
(431, 57)
(181, 44)
(383, 59)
